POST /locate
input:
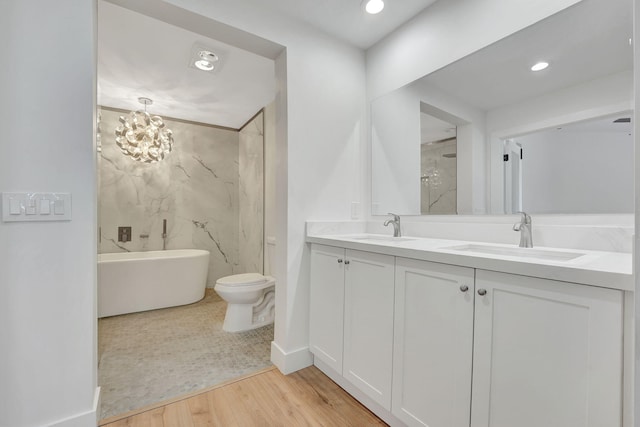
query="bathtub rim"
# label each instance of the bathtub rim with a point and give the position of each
(109, 257)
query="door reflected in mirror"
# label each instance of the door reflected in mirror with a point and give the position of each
(584, 167)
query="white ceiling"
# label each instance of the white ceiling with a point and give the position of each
(143, 57)
(347, 20)
(582, 43)
(139, 56)
(601, 124)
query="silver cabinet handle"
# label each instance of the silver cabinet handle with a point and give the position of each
(340, 261)
(482, 292)
(347, 262)
(464, 288)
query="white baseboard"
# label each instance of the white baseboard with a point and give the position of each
(84, 419)
(291, 361)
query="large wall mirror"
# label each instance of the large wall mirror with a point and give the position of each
(487, 134)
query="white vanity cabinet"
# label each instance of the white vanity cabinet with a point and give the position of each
(351, 317)
(432, 343)
(368, 324)
(326, 305)
(546, 353)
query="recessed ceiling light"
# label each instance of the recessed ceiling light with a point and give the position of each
(205, 60)
(204, 65)
(540, 66)
(374, 6)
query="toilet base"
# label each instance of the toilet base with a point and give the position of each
(241, 317)
(250, 301)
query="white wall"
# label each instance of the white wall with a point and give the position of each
(48, 269)
(395, 153)
(577, 172)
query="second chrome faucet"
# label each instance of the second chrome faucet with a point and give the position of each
(524, 227)
(396, 224)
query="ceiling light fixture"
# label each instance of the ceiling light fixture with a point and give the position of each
(540, 66)
(144, 137)
(205, 60)
(374, 6)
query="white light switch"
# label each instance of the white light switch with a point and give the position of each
(36, 207)
(30, 208)
(45, 207)
(58, 207)
(14, 206)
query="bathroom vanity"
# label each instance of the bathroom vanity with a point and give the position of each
(441, 333)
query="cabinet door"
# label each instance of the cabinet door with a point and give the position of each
(326, 305)
(546, 353)
(433, 344)
(368, 331)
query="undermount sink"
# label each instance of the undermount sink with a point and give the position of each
(542, 254)
(373, 237)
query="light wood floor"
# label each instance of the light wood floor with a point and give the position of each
(268, 398)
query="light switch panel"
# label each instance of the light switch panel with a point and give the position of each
(36, 207)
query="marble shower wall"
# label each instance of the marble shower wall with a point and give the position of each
(438, 169)
(196, 188)
(251, 201)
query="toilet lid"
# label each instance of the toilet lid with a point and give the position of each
(242, 279)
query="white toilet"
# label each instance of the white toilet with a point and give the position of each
(250, 298)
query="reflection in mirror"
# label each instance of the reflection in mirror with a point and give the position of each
(493, 98)
(437, 166)
(583, 167)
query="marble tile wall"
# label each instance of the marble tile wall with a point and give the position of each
(251, 196)
(196, 189)
(438, 169)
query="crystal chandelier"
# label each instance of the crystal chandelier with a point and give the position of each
(144, 137)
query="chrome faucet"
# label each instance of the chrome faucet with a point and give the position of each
(396, 224)
(164, 234)
(524, 227)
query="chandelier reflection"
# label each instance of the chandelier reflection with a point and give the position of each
(143, 137)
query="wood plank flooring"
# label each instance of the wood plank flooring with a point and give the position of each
(304, 398)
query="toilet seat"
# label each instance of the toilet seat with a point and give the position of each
(246, 279)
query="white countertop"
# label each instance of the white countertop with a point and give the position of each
(605, 269)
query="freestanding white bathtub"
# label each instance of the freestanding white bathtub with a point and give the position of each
(138, 281)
